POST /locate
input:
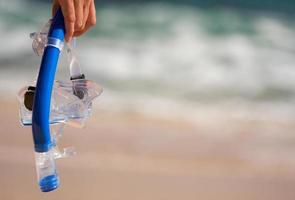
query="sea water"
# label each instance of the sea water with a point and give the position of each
(169, 60)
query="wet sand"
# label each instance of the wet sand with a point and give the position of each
(134, 157)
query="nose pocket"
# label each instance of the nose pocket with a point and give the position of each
(29, 98)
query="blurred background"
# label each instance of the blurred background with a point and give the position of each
(198, 102)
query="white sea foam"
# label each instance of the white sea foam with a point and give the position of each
(165, 58)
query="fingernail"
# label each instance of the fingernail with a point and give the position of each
(80, 24)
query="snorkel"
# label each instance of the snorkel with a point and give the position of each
(51, 104)
(46, 171)
(41, 108)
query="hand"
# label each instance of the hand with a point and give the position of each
(79, 16)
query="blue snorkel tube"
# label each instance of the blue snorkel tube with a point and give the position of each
(48, 104)
(45, 164)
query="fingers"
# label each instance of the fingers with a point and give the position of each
(68, 11)
(91, 20)
(85, 13)
(79, 33)
(79, 14)
(92, 14)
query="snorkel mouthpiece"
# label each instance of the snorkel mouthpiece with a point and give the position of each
(48, 104)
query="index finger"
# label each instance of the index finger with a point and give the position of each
(68, 11)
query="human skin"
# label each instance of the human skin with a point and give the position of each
(79, 16)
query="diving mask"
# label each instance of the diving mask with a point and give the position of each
(48, 105)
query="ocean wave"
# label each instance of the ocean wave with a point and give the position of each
(184, 56)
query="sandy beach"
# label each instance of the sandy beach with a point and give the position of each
(198, 102)
(135, 157)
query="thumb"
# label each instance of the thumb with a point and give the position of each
(55, 7)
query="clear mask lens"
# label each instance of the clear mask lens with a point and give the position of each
(71, 102)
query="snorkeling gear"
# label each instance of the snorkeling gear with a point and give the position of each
(48, 105)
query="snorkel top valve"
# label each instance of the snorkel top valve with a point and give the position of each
(48, 105)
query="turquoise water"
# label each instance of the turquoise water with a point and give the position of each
(168, 56)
